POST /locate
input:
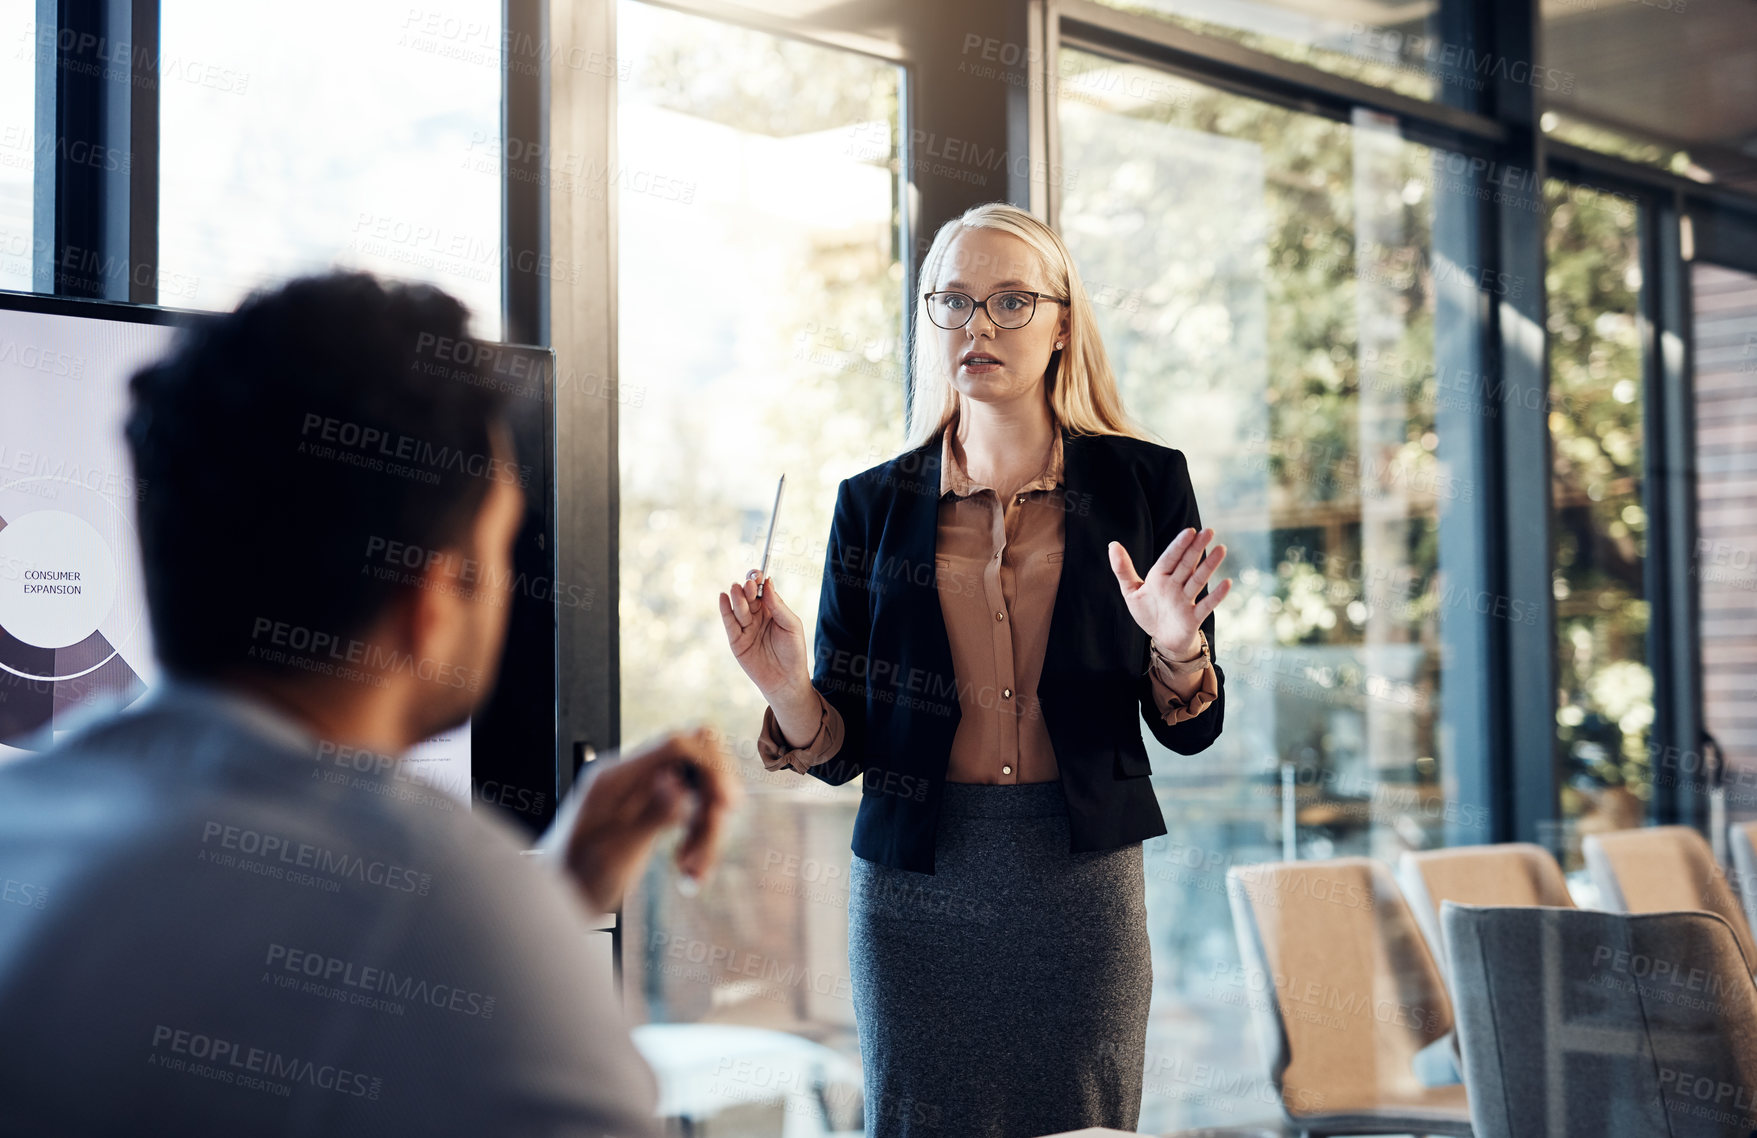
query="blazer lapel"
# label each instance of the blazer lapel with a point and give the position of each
(916, 519)
(1088, 605)
(1074, 475)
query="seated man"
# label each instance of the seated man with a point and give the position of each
(210, 933)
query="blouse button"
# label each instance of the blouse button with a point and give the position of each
(1006, 770)
(1006, 693)
(1000, 616)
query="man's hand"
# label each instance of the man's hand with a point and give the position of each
(605, 829)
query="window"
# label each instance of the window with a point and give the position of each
(1265, 282)
(18, 143)
(287, 146)
(1605, 700)
(1725, 303)
(1400, 47)
(760, 333)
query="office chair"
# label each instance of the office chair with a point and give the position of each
(1506, 873)
(1660, 869)
(1346, 994)
(1574, 1022)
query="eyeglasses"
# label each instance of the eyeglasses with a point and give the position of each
(1012, 309)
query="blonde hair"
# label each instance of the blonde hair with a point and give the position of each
(1081, 386)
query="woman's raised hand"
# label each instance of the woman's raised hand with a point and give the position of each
(767, 638)
(1164, 604)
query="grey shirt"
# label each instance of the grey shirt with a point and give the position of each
(213, 922)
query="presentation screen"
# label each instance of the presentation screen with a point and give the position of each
(73, 627)
(74, 635)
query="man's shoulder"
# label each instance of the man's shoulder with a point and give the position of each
(191, 881)
(117, 779)
(174, 782)
(154, 814)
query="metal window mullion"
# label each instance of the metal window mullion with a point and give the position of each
(1604, 171)
(578, 132)
(1048, 74)
(1669, 498)
(524, 173)
(581, 321)
(1524, 708)
(44, 171)
(142, 124)
(1473, 721)
(910, 253)
(1471, 728)
(1723, 236)
(96, 192)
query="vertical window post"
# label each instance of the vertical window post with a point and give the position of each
(1527, 655)
(96, 194)
(1674, 640)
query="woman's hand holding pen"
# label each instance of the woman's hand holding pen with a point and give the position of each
(767, 637)
(768, 641)
(1164, 604)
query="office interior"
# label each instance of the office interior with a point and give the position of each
(1450, 304)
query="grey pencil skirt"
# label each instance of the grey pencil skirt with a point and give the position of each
(1004, 995)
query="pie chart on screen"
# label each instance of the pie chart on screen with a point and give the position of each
(63, 580)
(64, 554)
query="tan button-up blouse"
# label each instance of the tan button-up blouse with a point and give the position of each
(998, 566)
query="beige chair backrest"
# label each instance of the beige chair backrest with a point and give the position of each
(1742, 844)
(1657, 869)
(1507, 873)
(1345, 987)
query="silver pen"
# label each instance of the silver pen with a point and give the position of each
(767, 545)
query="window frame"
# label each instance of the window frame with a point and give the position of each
(1505, 716)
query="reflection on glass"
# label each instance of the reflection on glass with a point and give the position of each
(1382, 42)
(1604, 707)
(1265, 284)
(760, 333)
(1595, 136)
(18, 76)
(361, 135)
(1725, 358)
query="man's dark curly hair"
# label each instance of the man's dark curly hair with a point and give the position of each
(276, 442)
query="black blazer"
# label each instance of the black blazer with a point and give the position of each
(884, 662)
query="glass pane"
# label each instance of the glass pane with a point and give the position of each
(18, 77)
(1605, 690)
(760, 329)
(1725, 303)
(1265, 284)
(1388, 44)
(360, 135)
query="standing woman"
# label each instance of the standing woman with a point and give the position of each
(985, 654)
